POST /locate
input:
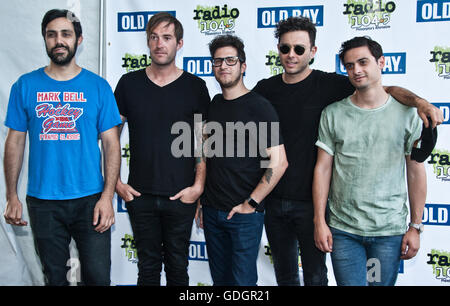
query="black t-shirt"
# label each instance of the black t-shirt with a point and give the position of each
(151, 112)
(299, 107)
(232, 177)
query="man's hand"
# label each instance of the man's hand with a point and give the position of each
(104, 213)
(243, 208)
(425, 109)
(13, 213)
(126, 192)
(410, 244)
(12, 164)
(323, 237)
(189, 194)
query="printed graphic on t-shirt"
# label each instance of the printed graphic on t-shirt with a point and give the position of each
(60, 119)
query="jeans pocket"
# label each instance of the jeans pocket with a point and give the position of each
(187, 203)
(41, 221)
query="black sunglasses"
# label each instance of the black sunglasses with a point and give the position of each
(299, 50)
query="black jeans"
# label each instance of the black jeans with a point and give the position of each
(161, 229)
(289, 225)
(54, 223)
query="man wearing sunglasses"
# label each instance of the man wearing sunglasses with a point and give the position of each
(299, 95)
(237, 182)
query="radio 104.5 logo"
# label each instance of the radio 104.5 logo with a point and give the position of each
(440, 261)
(369, 14)
(214, 20)
(440, 57)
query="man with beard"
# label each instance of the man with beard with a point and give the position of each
(238, 178)
(65, 109)
(162, 189)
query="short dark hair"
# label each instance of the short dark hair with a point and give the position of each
(296, 24)
(228, 40)
(58, 13)
(164, 17)
(361, 41)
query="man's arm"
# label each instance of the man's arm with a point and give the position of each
(111, 150)
(424, 109)
(12, 164)
(417, 191)
(321, 187)
(125, 191)
(192, 193)
(277, 166)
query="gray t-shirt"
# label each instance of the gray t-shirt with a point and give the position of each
(368, 192)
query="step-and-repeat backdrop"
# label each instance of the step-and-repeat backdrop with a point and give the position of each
(415, 39)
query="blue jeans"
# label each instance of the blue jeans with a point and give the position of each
(289, 226)
(232, 246)
(54, 223)
(361, 261)
(161, 229)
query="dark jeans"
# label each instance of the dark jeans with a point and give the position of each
(161, 229)
(289, 225)
(54, 223)
(232, 246)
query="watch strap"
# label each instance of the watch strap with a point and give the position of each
(418, 227)
(257, 206)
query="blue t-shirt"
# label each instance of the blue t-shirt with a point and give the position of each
(64, 120)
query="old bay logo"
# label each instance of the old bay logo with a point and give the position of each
(121, 207)
(369, 14)
(200, 66)
(440, 56)
(445, 108)
(395, 63)
(440, 261)
(268, 17)
(436, 214)
(135, 21)
(433, 10)
(213, 20)
(197, 251)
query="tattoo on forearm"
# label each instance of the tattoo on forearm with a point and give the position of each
(267, 175)
(198, 160)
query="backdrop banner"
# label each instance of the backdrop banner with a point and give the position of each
(414, 37)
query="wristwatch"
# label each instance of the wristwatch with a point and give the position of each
(257, 206)
(418, 227)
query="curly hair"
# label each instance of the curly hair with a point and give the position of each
(296, 24)
(362, 41)
(228, 40)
